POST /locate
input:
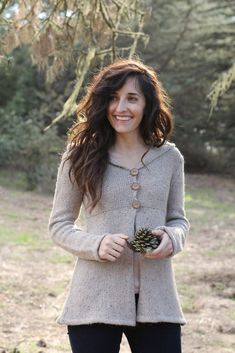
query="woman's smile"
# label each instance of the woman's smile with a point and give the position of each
(122, 118)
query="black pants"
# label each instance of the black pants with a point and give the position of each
(143, 338)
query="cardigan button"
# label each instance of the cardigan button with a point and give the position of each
(134, 171)
(136, 204)
(135, 186)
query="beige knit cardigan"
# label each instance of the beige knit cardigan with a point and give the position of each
(103, 291)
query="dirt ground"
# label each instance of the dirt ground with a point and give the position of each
(35, 273)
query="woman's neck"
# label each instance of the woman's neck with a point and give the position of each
(128, 144)
(128, 152)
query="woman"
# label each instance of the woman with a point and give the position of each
(120, 172)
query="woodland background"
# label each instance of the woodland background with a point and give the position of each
(49, 49)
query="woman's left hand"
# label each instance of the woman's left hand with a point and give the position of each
(165, 248)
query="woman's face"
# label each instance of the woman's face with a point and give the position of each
(126, 108)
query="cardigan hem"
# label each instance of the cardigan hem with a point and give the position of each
(169, 319)
(120, 322)
(95, 321)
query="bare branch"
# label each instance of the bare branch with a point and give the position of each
(177, 42)
(105, 15)
(84, 64)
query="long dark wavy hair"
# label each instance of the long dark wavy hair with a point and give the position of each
(92, 135)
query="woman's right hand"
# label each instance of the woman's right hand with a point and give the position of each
(112, 246)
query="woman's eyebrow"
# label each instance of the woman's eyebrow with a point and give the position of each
(134, 94)
(128, 93)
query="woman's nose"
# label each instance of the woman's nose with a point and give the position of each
(121, 105)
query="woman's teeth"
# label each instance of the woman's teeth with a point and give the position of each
(123, 118)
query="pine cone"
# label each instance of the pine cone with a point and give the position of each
(144, 241)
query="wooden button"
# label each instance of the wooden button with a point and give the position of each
(135, 186)
(134, 172)
(136, 204)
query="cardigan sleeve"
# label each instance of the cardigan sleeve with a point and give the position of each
(65, 210)
(177, 225)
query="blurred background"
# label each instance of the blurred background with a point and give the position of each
(50, 48)
(48, 51)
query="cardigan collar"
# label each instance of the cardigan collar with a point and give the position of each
(152, 154)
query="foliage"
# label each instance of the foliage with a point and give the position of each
(25, 146)
(191, 46)
(23, 115)
(220, 86)
(61, 32)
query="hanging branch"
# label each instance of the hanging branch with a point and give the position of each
(69, 107)
(220, 87)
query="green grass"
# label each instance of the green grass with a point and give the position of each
(27, 238)
(203, 207)
(13, 236)
(64, 259)
(206, 200)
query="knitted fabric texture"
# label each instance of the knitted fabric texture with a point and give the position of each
(103, 291)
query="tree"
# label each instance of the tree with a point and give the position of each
(192, 46)
(64, 32)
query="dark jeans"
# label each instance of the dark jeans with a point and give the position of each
(143, 338)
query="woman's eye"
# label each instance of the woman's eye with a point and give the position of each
(113, 98)
(132, 99)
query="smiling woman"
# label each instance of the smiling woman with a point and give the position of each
(125, 90)
(126, 108)
(120, 168)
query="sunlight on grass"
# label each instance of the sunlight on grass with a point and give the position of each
(25, 239)
(207, 199)
(12, 236)
(203, 207)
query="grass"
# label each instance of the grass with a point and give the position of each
(12, 236)
(220, 343)
(24, 217)
(188, 297)
(27, 238)
(231, 315)
(64, 259)
(206, 200)
(204, 207)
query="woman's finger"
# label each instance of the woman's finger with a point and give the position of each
(118, 247)
(111, 258)
(158, 232)
(120, 239)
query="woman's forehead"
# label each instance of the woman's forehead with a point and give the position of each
(131, 85)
